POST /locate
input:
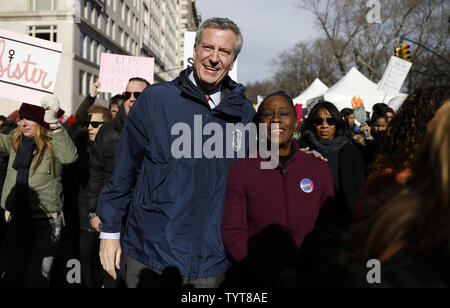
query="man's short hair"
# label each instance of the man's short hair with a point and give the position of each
(106, 114)
(139, 79)
(223, 24)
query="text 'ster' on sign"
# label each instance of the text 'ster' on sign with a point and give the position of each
(28, 67)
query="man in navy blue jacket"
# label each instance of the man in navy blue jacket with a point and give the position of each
(163, 205)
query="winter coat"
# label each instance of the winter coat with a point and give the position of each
(351, 181)
(259, 197)
(174, 206)
(45, 190)
(76, 177)
(101, 160)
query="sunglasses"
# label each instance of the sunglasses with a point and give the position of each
(127, 95)
(95, 124)
(319, 121)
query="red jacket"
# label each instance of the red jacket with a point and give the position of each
(259, 197)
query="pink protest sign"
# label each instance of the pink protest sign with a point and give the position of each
(28, 67)
(116, 70)
(298, 108)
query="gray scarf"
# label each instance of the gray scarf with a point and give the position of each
(325, 146)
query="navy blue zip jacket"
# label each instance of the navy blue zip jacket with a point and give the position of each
(170, 209)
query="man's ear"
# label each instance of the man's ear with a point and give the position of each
(231, 66)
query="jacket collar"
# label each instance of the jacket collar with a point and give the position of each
(267, 154)
(233, 97)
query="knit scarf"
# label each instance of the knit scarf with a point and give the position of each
(325, 146)
(22, 164)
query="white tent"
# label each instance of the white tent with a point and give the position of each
(317, 88)
(354, 84)
(397, 101)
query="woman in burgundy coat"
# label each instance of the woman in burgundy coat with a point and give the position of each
(289, 196)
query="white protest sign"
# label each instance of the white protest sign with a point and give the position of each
(189, 41)
(28, 67)
(116, 70)
(394, 75)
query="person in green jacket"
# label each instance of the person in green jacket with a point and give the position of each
(33, 195)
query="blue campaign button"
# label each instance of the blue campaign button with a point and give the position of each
(307, 185)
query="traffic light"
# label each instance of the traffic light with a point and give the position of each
(398, 52)
(406, 54)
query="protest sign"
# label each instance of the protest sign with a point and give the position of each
(394, 75)
(116, 70)
(28, 67)
(299, 110)
(189, 41)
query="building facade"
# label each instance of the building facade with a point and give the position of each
(189, 20)
(87, 28)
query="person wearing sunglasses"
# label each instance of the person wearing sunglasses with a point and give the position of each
(325, 131)
(104, 136)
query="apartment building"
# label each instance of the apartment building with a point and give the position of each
(86, 28)
(189, 20)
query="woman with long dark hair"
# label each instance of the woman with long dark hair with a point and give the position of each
(325, 131)
(32, 194)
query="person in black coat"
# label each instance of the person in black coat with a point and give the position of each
(325, 131)
(101, 163)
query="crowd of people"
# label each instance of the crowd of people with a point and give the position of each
(103, 187)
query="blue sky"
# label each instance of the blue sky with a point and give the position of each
(268, 26)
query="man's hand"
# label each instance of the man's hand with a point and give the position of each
(314, 153)
(110, 252)
(95, 88)
(96, 223)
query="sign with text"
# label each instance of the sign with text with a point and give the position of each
(28, 67)
(394, 75)
(189, 41)
(116, 70)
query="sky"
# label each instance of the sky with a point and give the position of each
(268, 26)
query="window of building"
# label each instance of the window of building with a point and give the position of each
(93, 57)
(113, 30)
(99, 53)
(87, 46)
(81, 83)
(128, 15)
(93, 18)
(87, 82)
(42, 5)
(82, 6)
(88, 13)
(48, 33)
(120, 37)
(122, 7)
(81, 44)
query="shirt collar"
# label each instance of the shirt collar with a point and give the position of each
(215, 96)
